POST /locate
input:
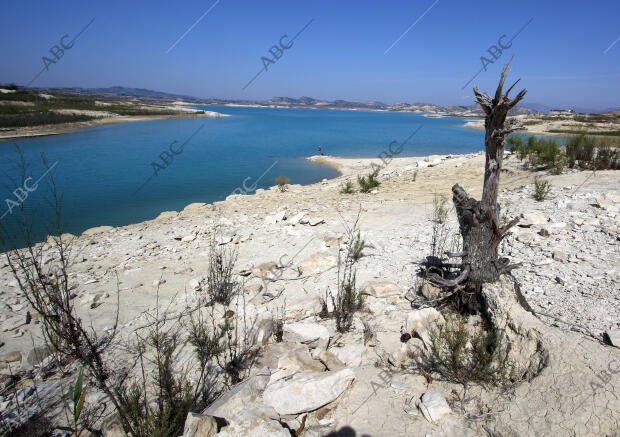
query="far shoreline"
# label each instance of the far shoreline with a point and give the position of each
(64, 128)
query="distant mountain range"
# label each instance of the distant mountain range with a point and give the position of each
(304, 102)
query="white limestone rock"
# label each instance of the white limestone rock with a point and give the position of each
(307, 391)
(313, 335)
(318, 262)
(433, 406)
(351, 355)
(381, 289)
(234, 400)
(198, 425)
(532, 218)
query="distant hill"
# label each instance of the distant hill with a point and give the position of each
(135, 92)
(120, 92)
(308, 102)
(116, 91)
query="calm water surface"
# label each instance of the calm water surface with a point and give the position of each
(126, 173)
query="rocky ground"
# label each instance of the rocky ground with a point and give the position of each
(325, 382)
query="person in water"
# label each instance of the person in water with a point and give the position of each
(320, 151)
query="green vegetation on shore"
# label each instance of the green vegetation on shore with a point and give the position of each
(612, 133)
(580, 151)
(38, 118)
(22, 108)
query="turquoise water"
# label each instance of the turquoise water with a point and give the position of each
(99, 169)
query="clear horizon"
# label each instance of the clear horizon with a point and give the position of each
(566, 54)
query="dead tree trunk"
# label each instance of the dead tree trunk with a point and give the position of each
(479, 220)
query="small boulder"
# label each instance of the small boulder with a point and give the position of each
(255, 426)
(261, 329)
(314, 221)
(560, 256)
(312, 334)
(307, 391)
(296, 219)
(234, 400)
(430, 291)
(420, 322)
(608, 201)
(351, 355)
(317, 262)
(35, 356)
(532, 218)
(331, 361)
(381, 289)
(194, 284)
(198, 425)
(613, 337)
(265, 270)
(433, 406)
(424, 317)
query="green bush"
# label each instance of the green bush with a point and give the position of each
(607, 158)
(357, 248)
(38, 118)
(542, 189)
(10, 86)
(347, 299)
(538, 151)
(464, 357)
(580, 150)
(369, 182)
(347, 188)
(544, 152)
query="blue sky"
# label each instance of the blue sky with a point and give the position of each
(560, 55)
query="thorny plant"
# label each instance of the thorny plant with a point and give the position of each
(221, 285)
(347, 299)
(166, 387)
(357, 247)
